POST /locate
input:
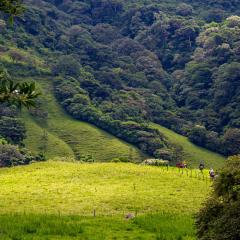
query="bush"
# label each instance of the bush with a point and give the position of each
(197, 135)
(231, 140)
(2, 140)
(11, 155)
(12, 129)
(85, 158)
(121, 159)
(66, 65)
(220, 217)
(155, 162)
(116, 160)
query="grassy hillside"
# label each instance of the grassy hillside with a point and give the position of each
(193, 153)
(68, 136)
(34, 140)
(38, 199)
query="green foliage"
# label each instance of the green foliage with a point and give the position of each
(11, 7)
(12, 129)
(3, 141)
(68, 66)
(11, 155)
(231, 141)
(20, 94)
(208, 88)
(220, 216)
(198, 135)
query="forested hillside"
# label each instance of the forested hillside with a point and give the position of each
(121, 65)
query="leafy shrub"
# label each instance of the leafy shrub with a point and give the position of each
(12, 129)
(67, 65)
(11, 155)
(121, 159)
(116, 160)
(155, 162)
(85, 158)
(231, 141)
(3, 141)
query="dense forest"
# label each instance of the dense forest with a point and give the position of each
(121, 66)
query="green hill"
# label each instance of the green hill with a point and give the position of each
(193, 154)
(67, 136)
(38, 200)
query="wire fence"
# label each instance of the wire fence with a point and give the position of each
(191, 173)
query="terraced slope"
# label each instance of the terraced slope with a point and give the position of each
(38, 200)
(54, 145)
(68, 136)
(193, 153)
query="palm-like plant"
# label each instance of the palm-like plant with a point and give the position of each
(11, 7)
(20, 94)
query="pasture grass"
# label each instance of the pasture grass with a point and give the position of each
(58, 200)
(108, 188)
(83, 138)
(193, 153)
(149, 227)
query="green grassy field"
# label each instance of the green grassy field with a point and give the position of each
(68, 136)
(57, 200)
(193, 153)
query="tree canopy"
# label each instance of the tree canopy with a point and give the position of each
(220, 216)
